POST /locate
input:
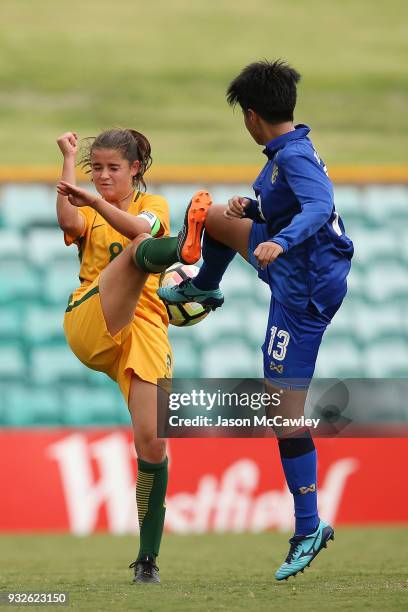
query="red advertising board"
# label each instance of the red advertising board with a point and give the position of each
(84, 481)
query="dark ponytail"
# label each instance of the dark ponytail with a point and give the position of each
(133, 145)
(144, 156)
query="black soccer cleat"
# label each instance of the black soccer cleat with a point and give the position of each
(145, 570)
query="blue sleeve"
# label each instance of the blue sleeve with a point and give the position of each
(252, 211)
(314, 192)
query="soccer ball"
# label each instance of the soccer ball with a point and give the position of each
(182, 315)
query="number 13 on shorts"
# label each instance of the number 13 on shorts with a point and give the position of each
(278, 343)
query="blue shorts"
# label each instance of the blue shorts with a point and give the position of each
(292, 342)
(292, 338)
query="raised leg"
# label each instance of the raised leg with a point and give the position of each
(233, 233)
(120, 286)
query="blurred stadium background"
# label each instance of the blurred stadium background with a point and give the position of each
(158, 68)
(163, 68)
(42, 383)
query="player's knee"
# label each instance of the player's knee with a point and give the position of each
(151, 448)
(214, 212)
(136, 242)
(214, 216)
(139, 239)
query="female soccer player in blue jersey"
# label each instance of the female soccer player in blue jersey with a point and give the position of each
(292, 235)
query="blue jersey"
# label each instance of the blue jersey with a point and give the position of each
(295, 206)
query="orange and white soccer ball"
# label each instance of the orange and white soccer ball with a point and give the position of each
(182, 315)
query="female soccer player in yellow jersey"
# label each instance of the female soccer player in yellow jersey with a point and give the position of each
(115, 322)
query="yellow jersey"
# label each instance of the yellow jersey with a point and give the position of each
(100, 243)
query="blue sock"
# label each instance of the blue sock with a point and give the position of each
(217, 258)
(299, 462)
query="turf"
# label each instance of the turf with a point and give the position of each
(163, 67)
(364, 569)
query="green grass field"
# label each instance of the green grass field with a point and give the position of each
(163, 67)
(364, 569)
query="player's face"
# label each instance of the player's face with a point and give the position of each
(112, 173)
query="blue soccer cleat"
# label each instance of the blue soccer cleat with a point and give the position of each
(303, 549)
(187, 292)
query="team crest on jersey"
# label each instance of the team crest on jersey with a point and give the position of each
(275, 171)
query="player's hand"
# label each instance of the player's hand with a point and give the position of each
(76, 196)
(267, 252)
(235, 207)
(68, 144)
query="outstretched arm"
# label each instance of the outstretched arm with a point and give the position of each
(126, 224)
(69, 219)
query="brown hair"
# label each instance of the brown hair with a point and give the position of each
(133, 145)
